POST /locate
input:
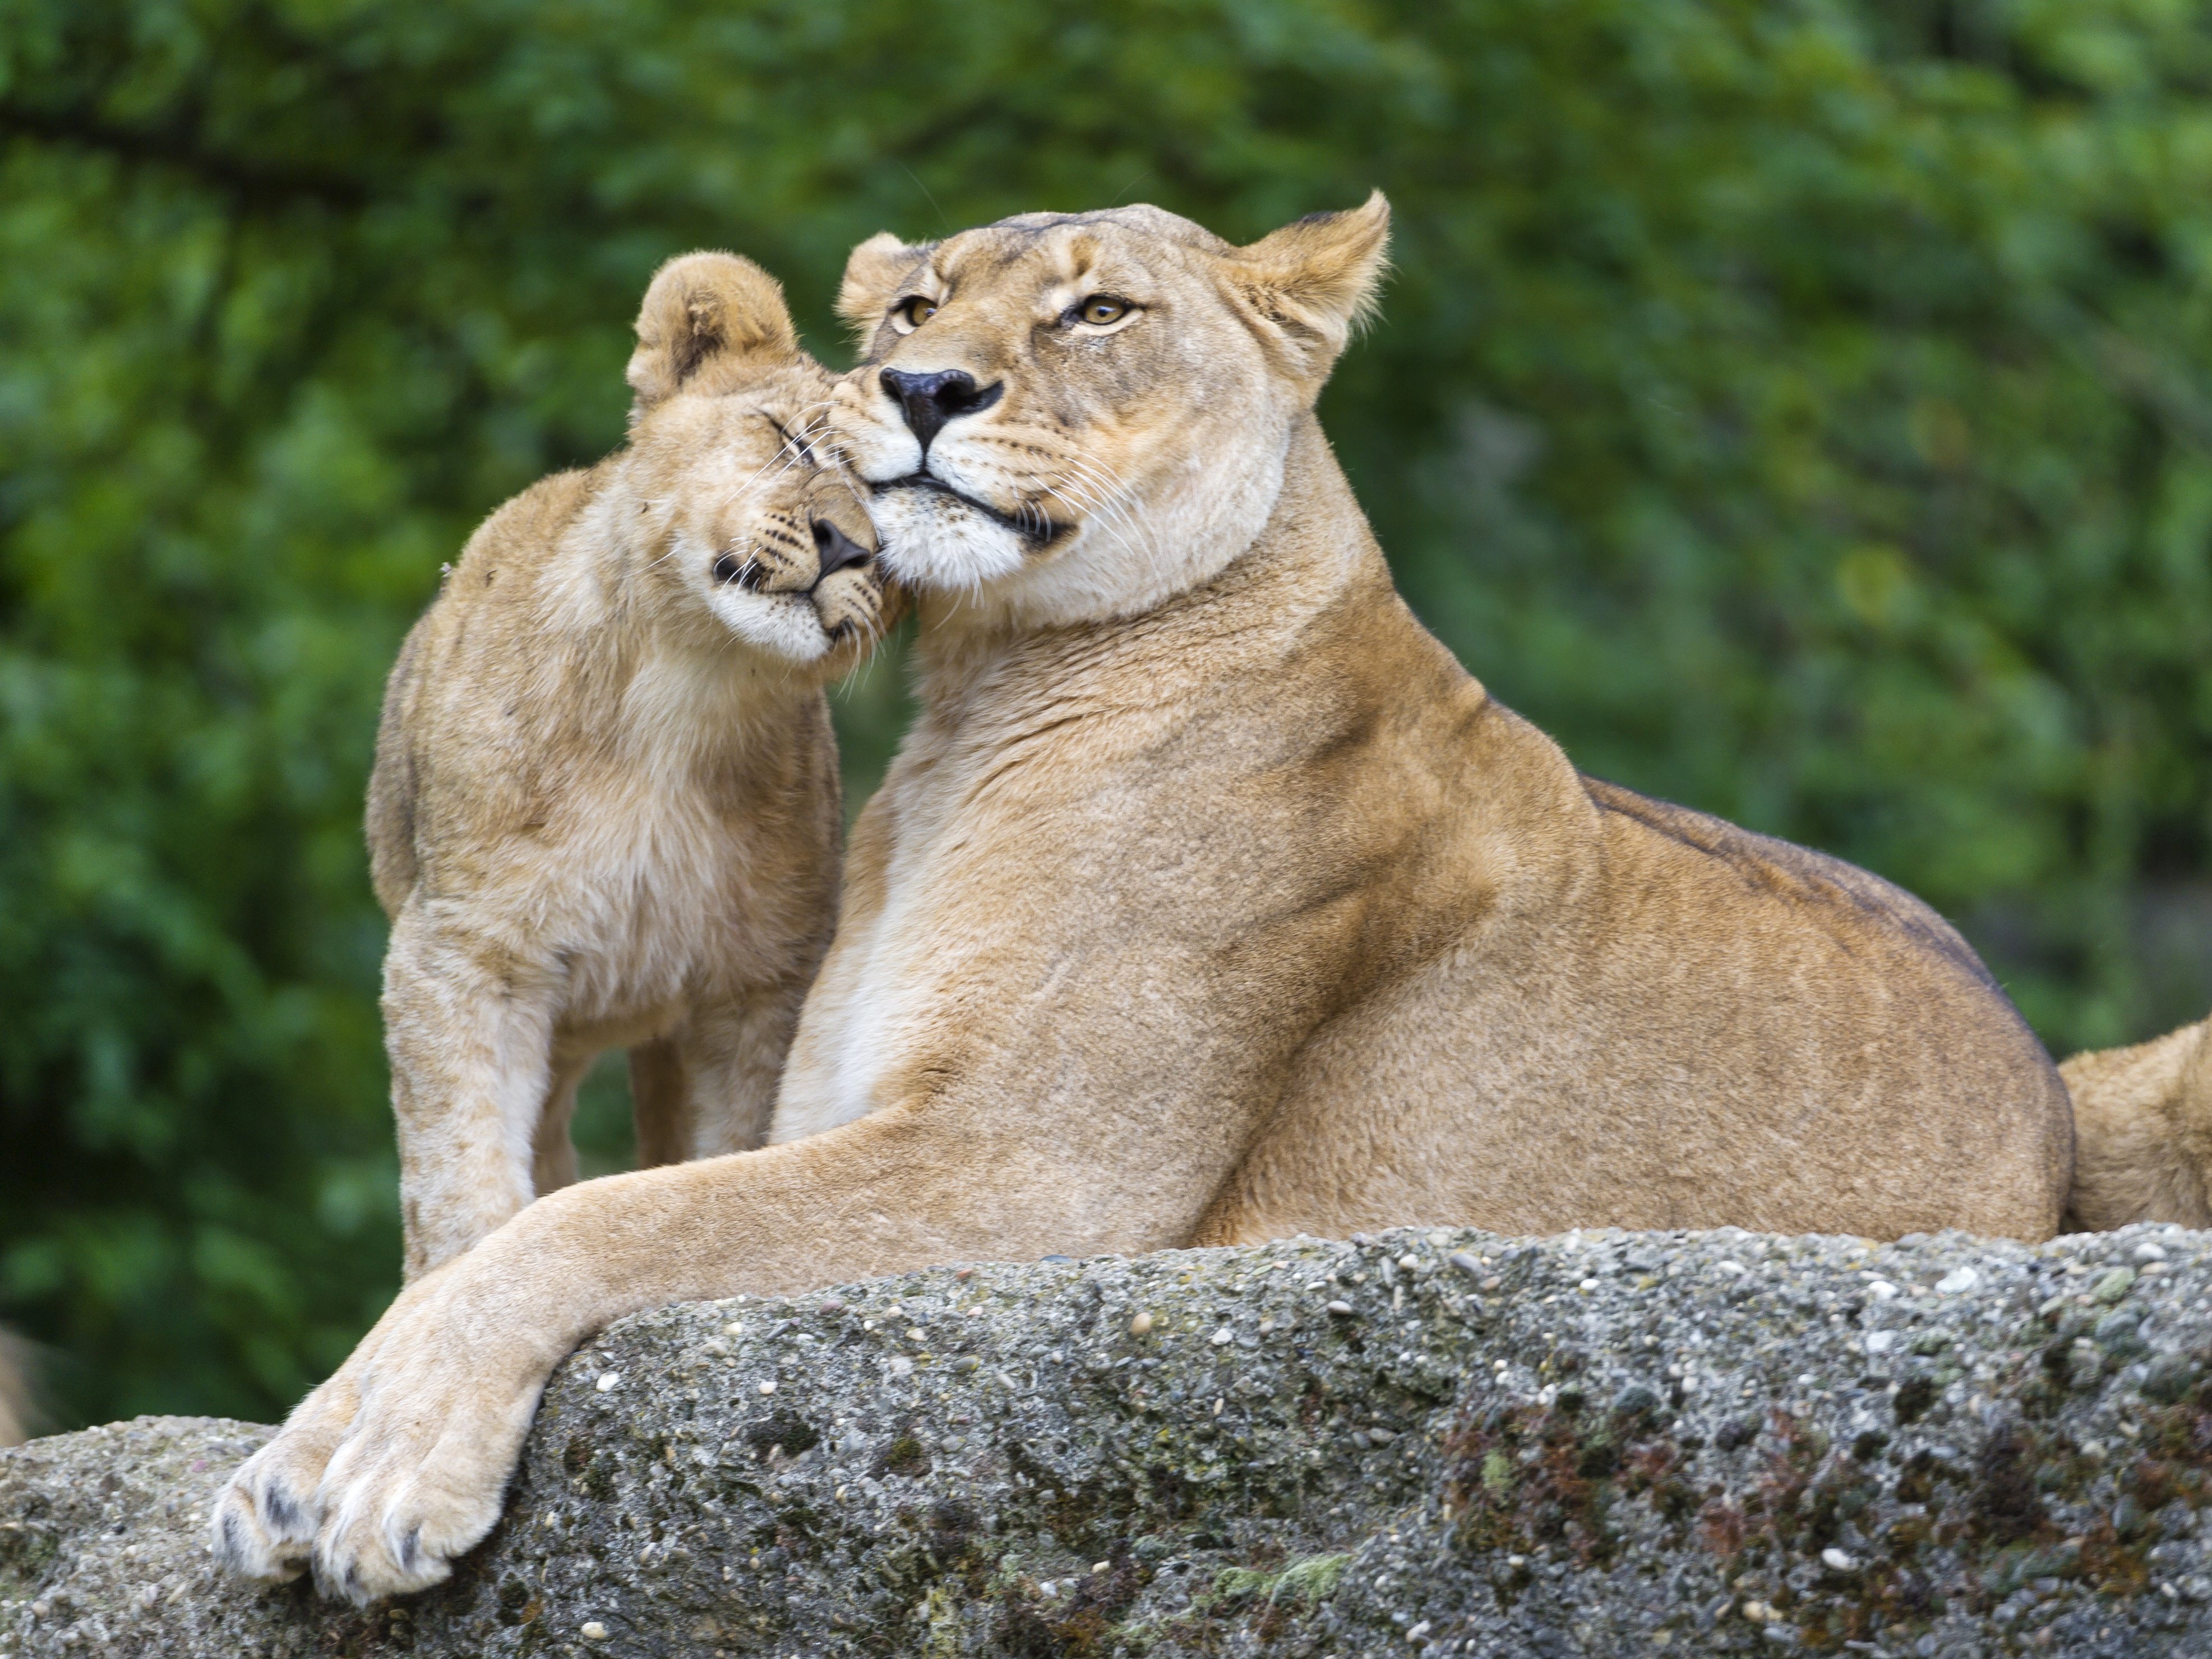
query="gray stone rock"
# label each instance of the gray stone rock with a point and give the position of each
(1604, 1444)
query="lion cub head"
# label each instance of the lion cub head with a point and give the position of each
(744, 511)
(1072, 416)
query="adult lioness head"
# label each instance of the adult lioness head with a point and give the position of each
(1073, 417)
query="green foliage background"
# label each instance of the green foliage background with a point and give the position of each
(1800, 407)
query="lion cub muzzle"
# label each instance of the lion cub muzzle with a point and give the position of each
(787, 555)
(789, 563)
(849, 594)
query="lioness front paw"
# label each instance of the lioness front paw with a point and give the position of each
(266, 1515)
(399, 1514)
(420, 1476)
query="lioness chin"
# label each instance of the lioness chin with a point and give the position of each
(1208, 899)
(605, 812)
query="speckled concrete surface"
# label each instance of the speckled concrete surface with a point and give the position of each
(1418, 1444)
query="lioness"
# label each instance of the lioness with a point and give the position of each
(605, 811)
(1209, 899)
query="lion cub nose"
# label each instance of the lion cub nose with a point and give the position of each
(928, 401)
(836, 550)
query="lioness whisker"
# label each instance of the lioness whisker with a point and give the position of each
(1110, 506)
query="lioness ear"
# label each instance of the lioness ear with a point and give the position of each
(872, 276)
(704, 310)
(1316, 280)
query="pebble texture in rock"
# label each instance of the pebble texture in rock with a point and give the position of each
(1418, 1444)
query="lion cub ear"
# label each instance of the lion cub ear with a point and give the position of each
(1316, 281)
(872, 276)
(705, 312)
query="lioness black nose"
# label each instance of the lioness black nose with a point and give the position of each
(931, 400)
(836, 550)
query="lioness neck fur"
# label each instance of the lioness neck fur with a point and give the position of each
(1209, 899)
(605, 812)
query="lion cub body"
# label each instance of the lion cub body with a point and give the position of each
(606, 809)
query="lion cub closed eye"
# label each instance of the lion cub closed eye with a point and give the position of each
(605, 812)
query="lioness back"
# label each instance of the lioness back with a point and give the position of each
(1799, 875)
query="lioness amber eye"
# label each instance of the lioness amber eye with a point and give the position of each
(917, 311)
(1100, 309)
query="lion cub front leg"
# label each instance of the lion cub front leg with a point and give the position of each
(470, 1036)
(553, 1151)
(708, 1087)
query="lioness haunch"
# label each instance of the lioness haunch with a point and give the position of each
(1209, 899)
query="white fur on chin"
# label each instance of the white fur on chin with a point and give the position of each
(784, 625)
(932, 542)
(1125, 557)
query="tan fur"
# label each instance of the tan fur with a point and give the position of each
(605, 812)
(2142, 1126)
(1209, 898)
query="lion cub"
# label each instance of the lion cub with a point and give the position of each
(605, 812)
